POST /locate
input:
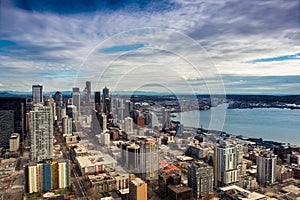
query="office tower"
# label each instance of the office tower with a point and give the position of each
(128, 108)
(104, 123)
(88, 87)
(266, 167)
(120, 109)
(72, 113)
(130, 156)
(37, 94)
(106, 101)
(61, 113)
(12, 118)
(67, 125)
(148, 159)
(58, 99)
(201, 180)
(138, 189)
(14, 142)
(41, 132)
(226, 164)
(166, 118)
(76, 98)
(98, 101)
(6, 126)
(128, 125)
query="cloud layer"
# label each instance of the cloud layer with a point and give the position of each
(182, 45)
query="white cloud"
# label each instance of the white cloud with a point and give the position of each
(53, 46)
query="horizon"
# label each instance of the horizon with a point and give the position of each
(147, 93)
(157, 46)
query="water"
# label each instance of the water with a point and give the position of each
(282, 125)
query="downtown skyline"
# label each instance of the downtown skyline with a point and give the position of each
(197, 47)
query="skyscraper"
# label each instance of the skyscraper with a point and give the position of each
(88, 87)
(148, 159)
(128, 108)
(41, 132)
(106, 101)
(98, 101)
(12, 118)
(200, 179)
(58, 99)
(226, 164)
(166, 118)
(76, 98)
(128, 125)
(266, 167)
(37, 94)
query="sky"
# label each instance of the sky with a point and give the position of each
(175, 46)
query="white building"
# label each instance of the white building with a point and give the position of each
(14, 142)
(266, 167)
(67, 125)
(128, 125)
(226, 164)
(41, 132)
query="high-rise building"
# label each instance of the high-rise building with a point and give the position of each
(226, 164)
(58, 99)
(76, 98)
(40, 177)
(148, 159)
(106, 101)
(12, 118)
(138, 189)
(266, 168)
(128, 108)
(166, 118)
(201, 180)
(37, 94)
(98, 101)
(6, 126)
(128, 125)
(88, 87)
(130, 156)
(41, 132)
(67, 125)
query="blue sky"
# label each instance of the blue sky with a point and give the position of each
(183, 46)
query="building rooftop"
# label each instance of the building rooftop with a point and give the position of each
(170, 168)
(137, 182)
(240, 193)
(179, 188)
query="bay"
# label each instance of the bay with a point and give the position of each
(281, 125)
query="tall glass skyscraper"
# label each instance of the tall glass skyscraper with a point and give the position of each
(37, 94)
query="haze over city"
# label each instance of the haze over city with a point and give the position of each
(192, 46)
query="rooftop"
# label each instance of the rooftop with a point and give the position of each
(137, 182)
(241, 193)
(179, 188)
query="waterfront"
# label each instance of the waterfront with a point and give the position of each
(282, 125)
